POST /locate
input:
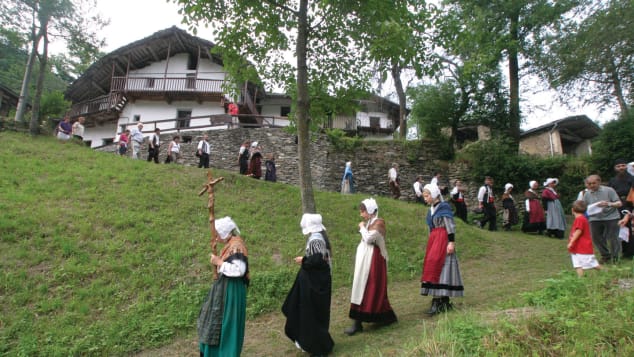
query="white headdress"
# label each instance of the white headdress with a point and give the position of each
(224, 227)
(433, 190)
(508, 186)
(311, 223)
(530, 184)
(371, 206)
(551, 180)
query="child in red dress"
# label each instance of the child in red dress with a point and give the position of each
(580, 241)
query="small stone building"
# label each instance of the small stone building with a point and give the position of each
(568, 136)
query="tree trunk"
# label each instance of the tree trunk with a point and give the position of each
(398, 84)
(514, 84)
(303, 138)
(618, 90)
(34, 126)
(24, 90)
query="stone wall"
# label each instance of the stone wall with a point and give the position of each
(370, 163)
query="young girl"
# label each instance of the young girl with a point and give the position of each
(580, 241)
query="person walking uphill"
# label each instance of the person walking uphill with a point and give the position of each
(154, 146)
(369, 301)
(441, 275)
(486, 201)
(203, 151)
(222, 317)
(555, 218)
(394, 181)
(307, 305)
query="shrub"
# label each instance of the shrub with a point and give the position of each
(614, 142)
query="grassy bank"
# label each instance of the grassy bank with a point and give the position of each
(103, 255)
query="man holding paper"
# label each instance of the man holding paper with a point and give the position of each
(603, 214)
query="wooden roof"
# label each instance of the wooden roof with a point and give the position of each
(96, 80)
(579, 126)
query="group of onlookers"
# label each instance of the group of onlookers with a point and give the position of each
(250, 161)
(66, 131)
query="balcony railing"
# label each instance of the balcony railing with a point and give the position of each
(103, 103)
(154, 85)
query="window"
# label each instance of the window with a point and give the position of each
(149, 82)
(136, 117)
(285, 111)
(190, 81)
(183, 118)
(375, 122)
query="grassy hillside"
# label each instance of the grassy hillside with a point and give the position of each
(104, 255)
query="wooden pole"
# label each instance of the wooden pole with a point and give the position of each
(209, 188)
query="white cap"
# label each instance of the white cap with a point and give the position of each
(224, 227)
(433, 190)
(508, 186)
(551, 180)
(370, 205)
(311, 223)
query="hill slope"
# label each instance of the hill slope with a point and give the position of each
(108, 256)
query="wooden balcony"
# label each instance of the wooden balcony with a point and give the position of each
(169, 88)
(102, 108)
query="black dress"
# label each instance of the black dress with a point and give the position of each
(307, 306)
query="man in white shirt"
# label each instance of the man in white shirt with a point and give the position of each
(154, 146)
(393, 178)
(486, 202)
(136, 137)
(418, 189)
(203, 152)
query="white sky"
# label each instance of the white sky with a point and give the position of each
(132, 20)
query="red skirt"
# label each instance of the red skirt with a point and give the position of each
(435, 255)
(375, 306)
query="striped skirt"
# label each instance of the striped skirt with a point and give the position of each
(450, 283)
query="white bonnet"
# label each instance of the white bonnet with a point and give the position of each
(508, 186)
(224, 227)
(433, 190)
(530, 184)
(311, 223)
(370, 205)
(254, 144)
(551, 180)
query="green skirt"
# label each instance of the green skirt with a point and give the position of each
(233, 319)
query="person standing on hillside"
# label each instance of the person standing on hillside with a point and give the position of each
(136, 136)
(457, 196)
(418, 189)
(486, 202)
(580, 241)
(64, 129)
(255, 161)
(369, 301)
(174, 150)
(555, 218)
(622, 183)
(203, 151)
(510, 217)
(222, 317)
(441, 275)
(604, 224)
(307, 305)
(347, 181)
(534, 218)
(394, 181)
(271, 170)
(154, 146)
(124, 138)
(78, 129)
(243, 157)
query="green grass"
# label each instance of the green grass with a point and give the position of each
(103, 255)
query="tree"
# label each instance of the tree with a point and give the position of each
(60, 19)
(593, 59)
(501, 29)
(395, 35)
(320, 34)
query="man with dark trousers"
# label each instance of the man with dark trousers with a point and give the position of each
(203, 152)
(486, 202)
(154, 146)
(622, 183)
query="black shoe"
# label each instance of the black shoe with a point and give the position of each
(435, 307)
(445, 304)
(356, 327)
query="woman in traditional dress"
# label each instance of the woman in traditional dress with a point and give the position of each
(307, 306)
(441, 274)
(222, 316)
(509, 215)
(255, 161)
(555, 218)
(369, 301)
(457, 196)
(347, 185)
(534, 219)
(243, 157)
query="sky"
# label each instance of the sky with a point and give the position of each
(132, 20)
